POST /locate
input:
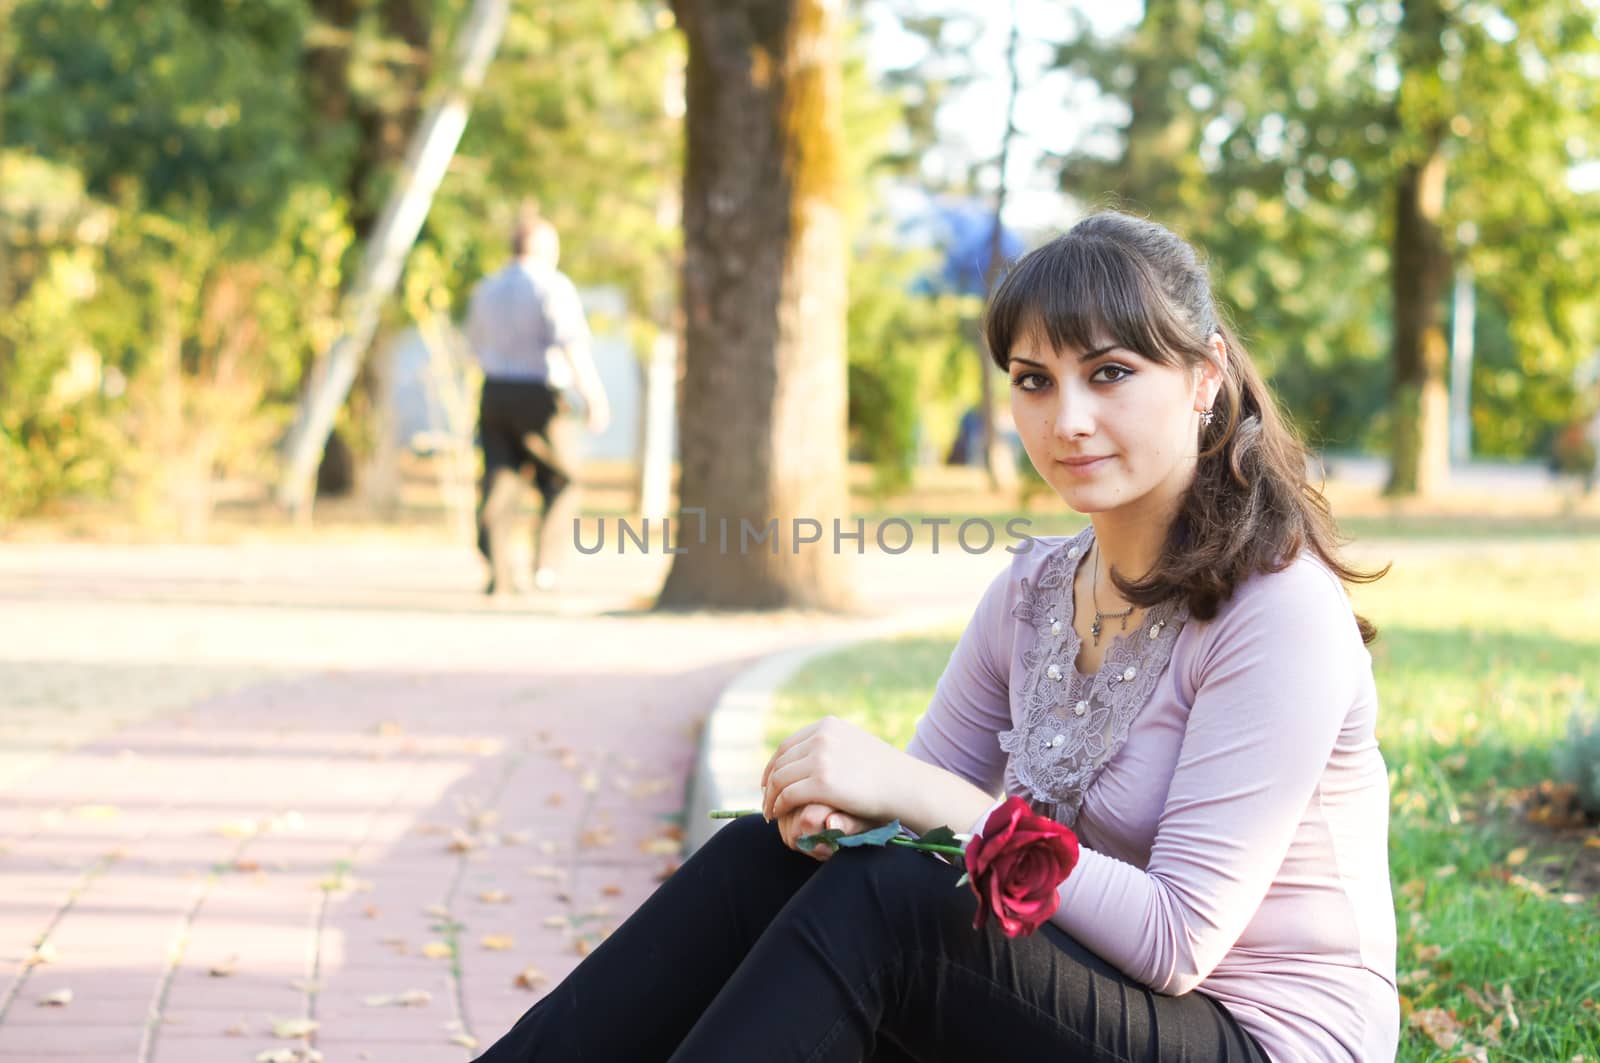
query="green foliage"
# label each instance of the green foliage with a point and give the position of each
(910, 351)
(145, 354)
(904, 348)
(1577, 760)
(185, 105)
(1272, 134)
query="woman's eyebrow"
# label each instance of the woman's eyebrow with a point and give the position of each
(1086, 356)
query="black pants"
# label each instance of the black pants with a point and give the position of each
(527, 437)
(753, 953)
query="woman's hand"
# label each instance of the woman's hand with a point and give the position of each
(813, 819)
(836, 764)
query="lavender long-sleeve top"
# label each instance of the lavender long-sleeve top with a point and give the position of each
(1233, 815)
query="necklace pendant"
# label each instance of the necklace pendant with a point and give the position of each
(1094, 629)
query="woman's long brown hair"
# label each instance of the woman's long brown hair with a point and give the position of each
(1252, 506)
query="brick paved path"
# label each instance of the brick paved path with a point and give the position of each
(247, 788)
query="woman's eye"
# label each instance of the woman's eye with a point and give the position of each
(1110, 374)
(1028, 382)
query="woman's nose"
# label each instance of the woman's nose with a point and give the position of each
(1073, 416)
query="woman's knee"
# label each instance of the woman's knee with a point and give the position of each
(902, 888)
(744, 846)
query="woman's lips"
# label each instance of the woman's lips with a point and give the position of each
(1085, 464)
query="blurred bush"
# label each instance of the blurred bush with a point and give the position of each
(146, 354)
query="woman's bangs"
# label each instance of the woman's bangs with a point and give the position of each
(1072, 294)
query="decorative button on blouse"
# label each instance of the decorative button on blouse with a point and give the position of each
(1128, 674)
(1054, 671)
(1058, 741)
(1055, 626)
(1080, 708)
(1155, 631)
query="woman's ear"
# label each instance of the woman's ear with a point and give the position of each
(1211, 372)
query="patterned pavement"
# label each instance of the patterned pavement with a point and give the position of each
(296, 802)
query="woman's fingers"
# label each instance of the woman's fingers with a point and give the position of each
(812, 819)
(795, 763)
(784, 747)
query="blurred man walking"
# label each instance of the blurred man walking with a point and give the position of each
(527, 329)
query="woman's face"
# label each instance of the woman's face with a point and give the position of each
(1107, 427)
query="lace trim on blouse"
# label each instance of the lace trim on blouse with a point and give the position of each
(1072, 725)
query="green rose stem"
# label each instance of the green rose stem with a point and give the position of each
(910, 843)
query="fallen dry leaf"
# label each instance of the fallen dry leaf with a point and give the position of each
(494, 896)
(661, 846)
(1440, 1026)
(461, 842)
(411, 998)
(465, 1040)
(437, 950)
(246, 865)
(555, 921)
(224, 969)
(438, 911)
(530, 978)
(238, 1029)
(278, 1055)
(583, 946)
(59, 998)
(370, 911)
(597, 838)
(292, 1029)
(611, 889)
(499, 942)
(516, 837)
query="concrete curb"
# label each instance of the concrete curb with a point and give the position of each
(733, 744)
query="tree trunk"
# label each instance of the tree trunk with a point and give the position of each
(1421, 443)
(1420, 405)
(763, 425)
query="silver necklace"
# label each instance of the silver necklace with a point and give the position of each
(1094, 596)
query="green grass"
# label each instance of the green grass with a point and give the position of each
(1482, 650)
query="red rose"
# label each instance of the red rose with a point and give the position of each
(1016, 865)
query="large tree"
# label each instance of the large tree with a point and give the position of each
(762, 428)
